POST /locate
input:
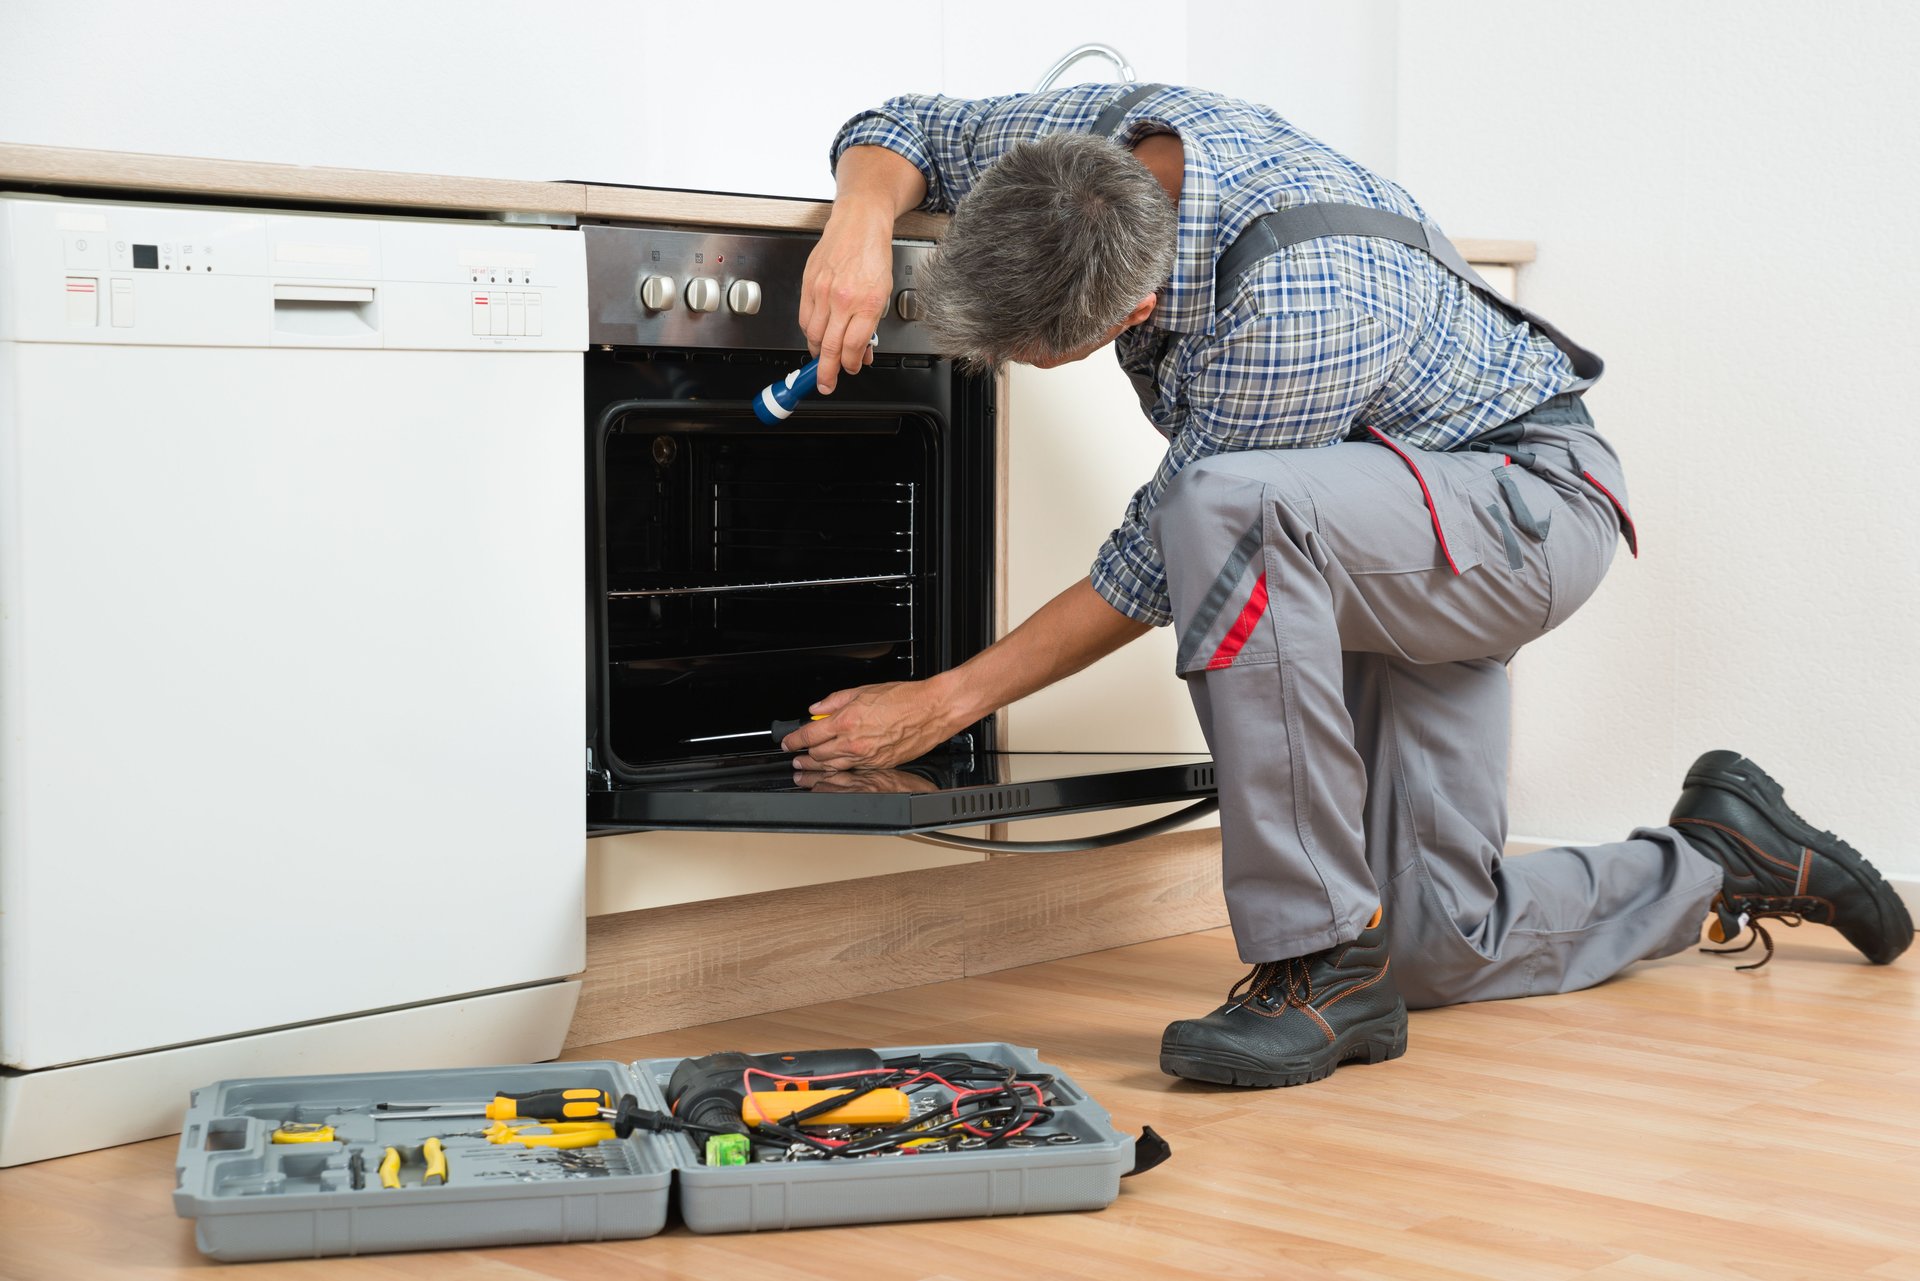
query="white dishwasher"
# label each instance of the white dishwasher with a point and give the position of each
(290, 652)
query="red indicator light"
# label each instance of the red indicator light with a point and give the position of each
(717, 259)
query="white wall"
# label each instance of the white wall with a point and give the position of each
(1721, 193)
(1326, 65)
(730, 95)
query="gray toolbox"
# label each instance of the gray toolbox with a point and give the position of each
(1080, 1174)
(256, 1199)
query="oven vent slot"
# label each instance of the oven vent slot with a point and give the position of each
(999, 801)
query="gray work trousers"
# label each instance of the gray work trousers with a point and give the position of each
(1346, 615)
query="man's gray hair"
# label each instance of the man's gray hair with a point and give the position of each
(1059, 240)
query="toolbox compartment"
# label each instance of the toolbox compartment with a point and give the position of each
(1083, 1175)
(254, 1199)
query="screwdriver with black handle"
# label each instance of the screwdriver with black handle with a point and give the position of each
(579, 1103)
(573, 1104)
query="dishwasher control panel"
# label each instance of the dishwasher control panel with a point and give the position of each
(128, 272)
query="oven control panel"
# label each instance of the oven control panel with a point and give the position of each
(656, 287)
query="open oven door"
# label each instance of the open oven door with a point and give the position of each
(738, 571)
(954, 787)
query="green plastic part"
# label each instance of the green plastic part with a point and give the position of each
(728, 1149)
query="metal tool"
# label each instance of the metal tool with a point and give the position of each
(568, 1104)
(781, 729)
(554, 1135)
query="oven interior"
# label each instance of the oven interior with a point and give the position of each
(742, 572)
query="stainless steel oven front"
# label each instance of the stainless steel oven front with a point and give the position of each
(737, 572)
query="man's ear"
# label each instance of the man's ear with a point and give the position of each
(1140, 312)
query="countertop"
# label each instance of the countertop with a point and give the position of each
(127, 173)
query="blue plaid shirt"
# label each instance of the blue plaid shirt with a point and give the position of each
(1320, 342)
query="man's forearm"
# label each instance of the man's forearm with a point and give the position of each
(873, 179)
(1066, 634)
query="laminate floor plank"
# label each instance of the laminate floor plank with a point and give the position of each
(1683, 1121)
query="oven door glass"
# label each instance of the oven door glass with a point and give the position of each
(952, 788)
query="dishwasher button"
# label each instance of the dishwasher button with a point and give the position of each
(497, 306)
(516, 315)
(122, 299)
(482, 325)
(83, 300)
(534, 322)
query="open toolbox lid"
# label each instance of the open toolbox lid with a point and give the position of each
(951, 788)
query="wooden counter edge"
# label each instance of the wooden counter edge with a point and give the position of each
(130, 171)
(124, 171)
(136, 171)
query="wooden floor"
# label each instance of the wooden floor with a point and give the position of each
(1684, 1121)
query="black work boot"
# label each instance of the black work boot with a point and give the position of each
(1291, 1022)
(1778, 867)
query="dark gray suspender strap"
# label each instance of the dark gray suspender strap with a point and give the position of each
(1108, 122)
(1270, 233)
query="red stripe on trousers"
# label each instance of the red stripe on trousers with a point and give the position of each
(1242, 627)
(1626, 521)
(1425, 493)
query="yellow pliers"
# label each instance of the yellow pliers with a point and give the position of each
(551, 1134)
(431, 1155)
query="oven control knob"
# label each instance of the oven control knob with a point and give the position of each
(907, 303)
(743, 296)
(656, 292)
(703, 294)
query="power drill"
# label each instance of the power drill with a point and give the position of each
(707, 1091)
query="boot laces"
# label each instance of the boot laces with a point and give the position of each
(1784, 910)
(1270, 983)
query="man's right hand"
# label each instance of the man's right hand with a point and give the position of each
(844, 292)
(849, 275)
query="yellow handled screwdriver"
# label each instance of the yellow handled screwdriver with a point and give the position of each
(574, 1104)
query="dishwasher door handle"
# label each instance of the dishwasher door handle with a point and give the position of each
(326, 315)
(342, 294)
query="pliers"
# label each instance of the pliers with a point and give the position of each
(429, 1153)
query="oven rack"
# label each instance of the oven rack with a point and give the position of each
(777, 584)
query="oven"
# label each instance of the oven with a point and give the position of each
(737, 572)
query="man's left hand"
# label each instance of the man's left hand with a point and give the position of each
(873, 727)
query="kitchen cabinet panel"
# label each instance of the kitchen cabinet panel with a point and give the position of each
(726, 102)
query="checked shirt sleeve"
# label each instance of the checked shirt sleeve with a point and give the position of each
(1294, 380)
(936, 133)
(952, 141)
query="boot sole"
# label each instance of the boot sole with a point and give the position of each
(1732, 772)
(1374, 1042)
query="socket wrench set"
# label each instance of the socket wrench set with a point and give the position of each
(288, 1167)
